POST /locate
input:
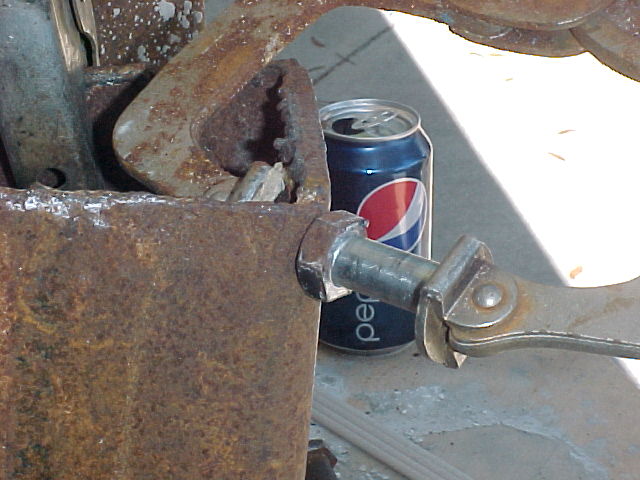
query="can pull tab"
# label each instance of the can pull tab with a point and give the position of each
(371, 121)
(466, 306)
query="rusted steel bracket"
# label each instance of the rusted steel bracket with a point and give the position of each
(273, 118)
(153, 337)
(164, 138)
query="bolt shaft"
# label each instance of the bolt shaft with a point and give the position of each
(382, 272)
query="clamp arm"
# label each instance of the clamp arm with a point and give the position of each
(466, 306)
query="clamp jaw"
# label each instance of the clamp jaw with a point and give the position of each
(466, 306)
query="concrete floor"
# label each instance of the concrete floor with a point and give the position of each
(527, 414)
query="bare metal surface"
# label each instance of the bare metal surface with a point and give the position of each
(381, 272)
(261, 183)
(438, 298)
(129, 351)
(596, 320)
(86, 21)
(41, 94)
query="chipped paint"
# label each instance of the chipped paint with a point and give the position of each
(142, 53)
(125, 25)
(166, 10)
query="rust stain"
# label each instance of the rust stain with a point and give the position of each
(199, 169)
(615, 305)
(581, 320)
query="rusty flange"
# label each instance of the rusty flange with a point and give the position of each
(549, 43)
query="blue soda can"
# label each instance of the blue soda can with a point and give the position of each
(381, 168)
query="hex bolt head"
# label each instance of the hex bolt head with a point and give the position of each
(487, 295)
(325, 236)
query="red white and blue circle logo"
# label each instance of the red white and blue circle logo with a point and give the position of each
(396, 211)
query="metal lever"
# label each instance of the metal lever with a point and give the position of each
(466, 305)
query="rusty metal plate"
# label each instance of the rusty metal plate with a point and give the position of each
(127, 350)
(613, 36)
(148, 31)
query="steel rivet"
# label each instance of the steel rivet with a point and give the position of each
(487, 295)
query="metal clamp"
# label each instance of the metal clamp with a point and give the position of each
(466, 306)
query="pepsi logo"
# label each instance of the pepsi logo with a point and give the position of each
(396, 212)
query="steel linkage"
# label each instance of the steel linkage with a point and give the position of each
(466, 305)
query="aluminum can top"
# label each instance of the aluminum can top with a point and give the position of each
(368, 120)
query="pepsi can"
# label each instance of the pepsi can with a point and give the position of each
(380, 164)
